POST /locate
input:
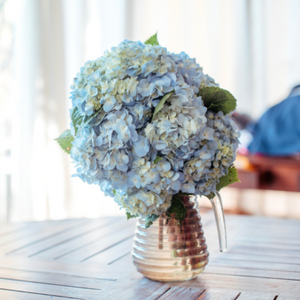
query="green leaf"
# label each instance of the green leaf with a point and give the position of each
(130, 216)
(157, 159)
(80, 121)
(150, 219)
(177, 210)
(185, 194)
(161, 103)
(87, 119)
(65, 140)
(153, 40)
(228, 179)
(217, 99)
(231, 177)
(210, 196)
(76, 118)
(177, 207)
(114, 191)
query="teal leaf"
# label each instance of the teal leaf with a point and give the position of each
(153, 40)
(157, 159)
(217, 99)
(161, 103)
(229, 178)
(130, 216)
(65, 140)
(177, 209)
(80, 121)
(150, 219)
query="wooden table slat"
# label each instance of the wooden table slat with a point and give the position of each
(34, 234)
(53, 278)
(261, 251)
(28, 230)
(135, 290)
(17, 295)
(91, 248)
(253, 272)
(84, 227)
(48, 289)
(259, 265)
(89, 270)
(6, 229)
(253, 257)
(245, 283)
(257, 296)
(82, 241)
(214, 294)
(111, 254)
(177, 292)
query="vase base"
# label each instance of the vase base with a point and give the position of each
(170, 277)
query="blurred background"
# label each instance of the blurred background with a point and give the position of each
(250, 47)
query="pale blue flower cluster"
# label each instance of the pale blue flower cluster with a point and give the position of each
(139, 160)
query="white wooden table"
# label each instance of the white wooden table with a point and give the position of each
(90, 259)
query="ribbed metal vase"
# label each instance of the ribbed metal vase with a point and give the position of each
(168, 250)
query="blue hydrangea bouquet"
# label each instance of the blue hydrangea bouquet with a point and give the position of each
(148, 125)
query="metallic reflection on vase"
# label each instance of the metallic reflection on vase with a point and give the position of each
(168, 251)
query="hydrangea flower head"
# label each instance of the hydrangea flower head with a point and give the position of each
(136, 148)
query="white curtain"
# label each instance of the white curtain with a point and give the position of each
(250, 47)
(40, 180)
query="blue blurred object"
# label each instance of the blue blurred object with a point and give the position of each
(277, 132)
